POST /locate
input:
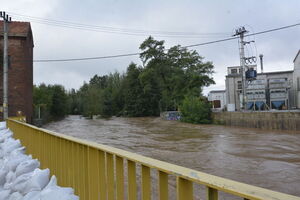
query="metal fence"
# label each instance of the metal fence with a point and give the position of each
(97, 171)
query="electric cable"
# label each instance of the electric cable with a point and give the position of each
(187, 46)
(108, 29)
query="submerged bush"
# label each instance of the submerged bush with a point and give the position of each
(195, 110)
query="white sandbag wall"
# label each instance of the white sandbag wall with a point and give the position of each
(20, 176)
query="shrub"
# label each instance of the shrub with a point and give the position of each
(195, 110)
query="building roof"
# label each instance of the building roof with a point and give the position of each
(238, 66)
(296, 55)
(17, 29)
(217, 91)
(233, 75)
(277, 72)
(265, 73)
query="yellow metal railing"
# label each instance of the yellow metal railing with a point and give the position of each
(19, 118)
(97, 171)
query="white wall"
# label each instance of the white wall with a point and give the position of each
(218, 96)
(296, 75)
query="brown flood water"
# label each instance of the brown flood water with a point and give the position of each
(269, 159)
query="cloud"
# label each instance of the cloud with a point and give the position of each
(279, 48)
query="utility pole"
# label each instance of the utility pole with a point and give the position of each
(6, 20)
(241, 32)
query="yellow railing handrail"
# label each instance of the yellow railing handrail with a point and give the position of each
(19, 118)
(221, 184)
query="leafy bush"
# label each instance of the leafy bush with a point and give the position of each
(195, 110)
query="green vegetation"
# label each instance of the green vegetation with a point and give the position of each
(163, 81)
(195, 110)
(51, 101)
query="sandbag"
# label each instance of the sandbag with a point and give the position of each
(19, 183)
(15, 196)
(52, 191)
(9, 145)
(2, 125)
(16, 152)
(3, 174)
(56, 193)
(27, 166)
(34, 181)
(20, 177)
(53, 183)
(12, 162)
(10, 177)
(4, 194)
(40, 178)
(34, 195)
(4, 134)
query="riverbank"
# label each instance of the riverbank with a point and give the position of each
(276, 120)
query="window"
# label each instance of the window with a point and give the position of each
(217, 104)
(239, 83)
(233, 71)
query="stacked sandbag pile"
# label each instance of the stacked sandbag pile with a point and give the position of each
(20, 176)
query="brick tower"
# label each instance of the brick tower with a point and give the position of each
(20, 69)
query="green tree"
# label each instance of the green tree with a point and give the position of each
(74, 102)
(99, 81)
(51, 100)
(161, 83)
(91, 96)
(59, 106)
(195, 110)
(151, 93)
(135, 100)
(113, 96)
(42, 101)
(173, 73)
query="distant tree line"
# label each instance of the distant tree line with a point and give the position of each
(169, 79)
(51, 102)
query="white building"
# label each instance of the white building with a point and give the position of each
(218, 99)
(296, 80)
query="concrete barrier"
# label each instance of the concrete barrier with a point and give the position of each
(277, 120)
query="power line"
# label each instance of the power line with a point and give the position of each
(274, 29)
(125, 55)
(87, 58)
(127, 33)
(108, 29)
(187, 46)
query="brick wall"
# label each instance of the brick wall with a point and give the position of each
(20, 76)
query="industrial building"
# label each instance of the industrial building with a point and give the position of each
(20, 69)
(268, 90)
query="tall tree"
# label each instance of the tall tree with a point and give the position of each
(59, 106)
(135, 100)
(177, 72)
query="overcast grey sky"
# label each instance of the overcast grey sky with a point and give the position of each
(201, 16)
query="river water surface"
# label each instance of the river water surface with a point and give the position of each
(269, 159)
